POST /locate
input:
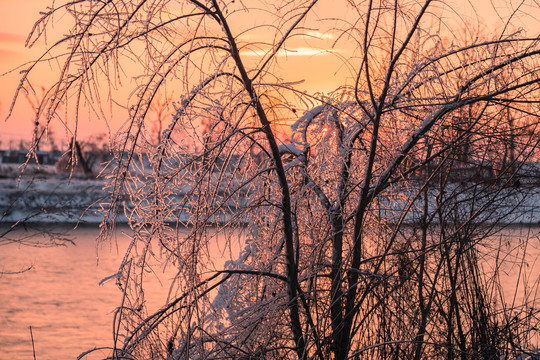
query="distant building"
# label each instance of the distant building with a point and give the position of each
(20, 157)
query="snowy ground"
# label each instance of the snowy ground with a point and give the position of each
(42, 196)
(50, 200)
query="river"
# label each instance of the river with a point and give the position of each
(69, 312)
(59, 297)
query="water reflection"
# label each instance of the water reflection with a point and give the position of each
(59, 297)
(70, 313)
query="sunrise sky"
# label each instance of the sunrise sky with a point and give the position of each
(306, 60)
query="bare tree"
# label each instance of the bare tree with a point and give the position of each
(361, 237)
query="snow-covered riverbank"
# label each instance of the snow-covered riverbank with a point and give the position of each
(54, 199)
(50, 200)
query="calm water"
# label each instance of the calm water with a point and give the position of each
(70, 313)
(59, 297)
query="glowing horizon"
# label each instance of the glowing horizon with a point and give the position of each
(310, 59)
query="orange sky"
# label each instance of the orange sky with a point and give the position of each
(303, 62)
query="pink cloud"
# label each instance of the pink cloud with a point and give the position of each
(12, 38)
